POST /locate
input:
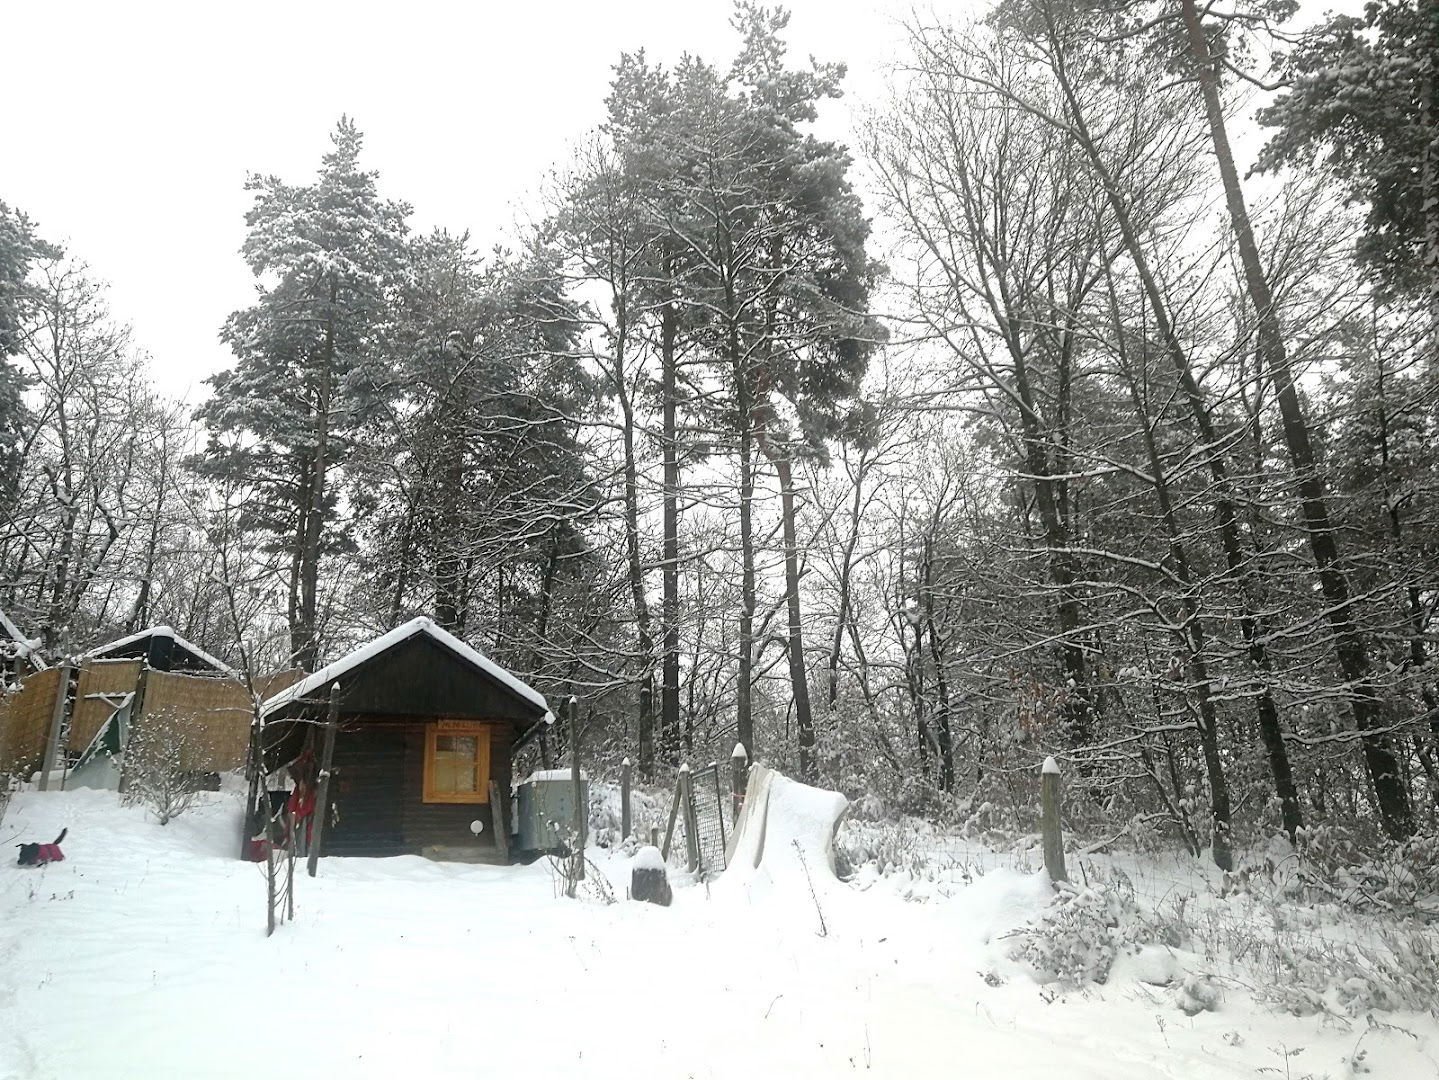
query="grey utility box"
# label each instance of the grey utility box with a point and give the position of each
(545, 807)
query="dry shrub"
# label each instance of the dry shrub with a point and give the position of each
(1076, 940)
(156, 758)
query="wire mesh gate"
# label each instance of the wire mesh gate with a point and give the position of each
(699, 809)
(708, 816)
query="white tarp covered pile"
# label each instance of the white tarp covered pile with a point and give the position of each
(783, 842)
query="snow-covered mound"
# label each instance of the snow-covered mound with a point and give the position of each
(783, 844)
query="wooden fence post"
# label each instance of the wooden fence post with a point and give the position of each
(57, 723)
(1049, 781)
(247, 823)
(322, 796)
(501, 822)
(270, 886)
(739, 779)
(137, 718)
(624, 798)
(582, 811)
(692, 847)
(674, 813)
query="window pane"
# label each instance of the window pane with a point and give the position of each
(454, 766)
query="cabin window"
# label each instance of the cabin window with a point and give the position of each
(457, 762)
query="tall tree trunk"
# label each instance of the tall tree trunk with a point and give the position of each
(745, 407)
(1191, 634)
(140, 612)
(1266, 709)
(943, 723)
(798, 676)
(670, 575)
(401, 581)
(846, 573)
(1392, 798)
(1077, 709)
(744, 703)
(305, 636)
(449, 562)
(57, 618)
(292, 593)
(547, 584)
(644, 637)
(779, 454)
(1418, 653)
(1429, 167)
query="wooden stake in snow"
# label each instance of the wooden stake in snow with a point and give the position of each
(57, 724)
(322, 796)
(1049, 780)
(582, 811)
(137, 717)
(687, 804)
(624, 798)
(674, 813)
(739, 777)
(501, 822)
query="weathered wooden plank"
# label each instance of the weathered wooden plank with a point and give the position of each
(57, 726)
(322, 798)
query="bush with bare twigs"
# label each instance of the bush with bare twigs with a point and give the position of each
(157, 757)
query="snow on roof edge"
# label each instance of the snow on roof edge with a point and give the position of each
(160, 631)
(403, 632)
(540, 776)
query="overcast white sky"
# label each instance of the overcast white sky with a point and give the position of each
(138, 122)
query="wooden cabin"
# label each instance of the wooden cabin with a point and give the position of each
(426, 726)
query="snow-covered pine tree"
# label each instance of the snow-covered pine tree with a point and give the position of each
(477, 481)
(309, 370)
(770, 271)
(811, 348)
(20, 247)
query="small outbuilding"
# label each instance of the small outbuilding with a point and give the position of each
(162, 650)
(425, 729)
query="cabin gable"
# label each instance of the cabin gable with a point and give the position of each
(421, 677)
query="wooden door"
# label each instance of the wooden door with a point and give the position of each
(369, 793)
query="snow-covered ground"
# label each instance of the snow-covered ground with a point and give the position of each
(144, 955)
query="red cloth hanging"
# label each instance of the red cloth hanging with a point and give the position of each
(301, 803)
(301, 807)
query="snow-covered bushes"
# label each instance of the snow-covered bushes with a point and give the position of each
(1303, 944)
(1365, 873)
(907, 847)
(1076, 941)
(647, 810)
(1324, 959)
(156, 759)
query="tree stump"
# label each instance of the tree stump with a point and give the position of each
(649, 878)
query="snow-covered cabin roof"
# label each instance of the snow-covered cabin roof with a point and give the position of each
(109, 649)
(420, 626)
